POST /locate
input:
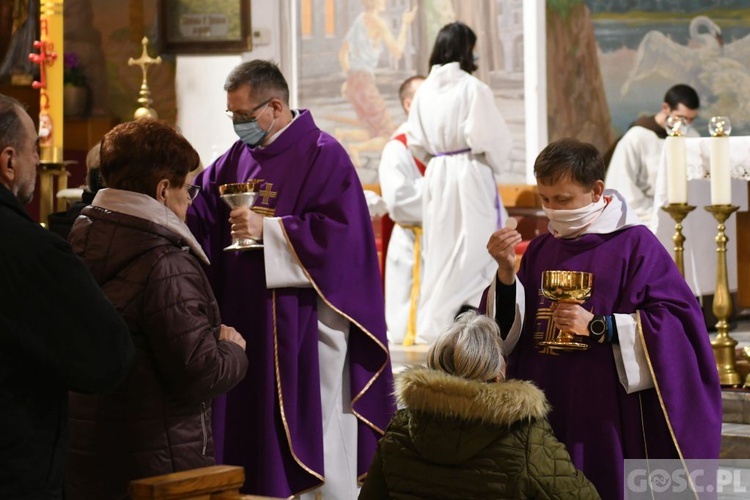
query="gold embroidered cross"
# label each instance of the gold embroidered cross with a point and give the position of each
(267, 193)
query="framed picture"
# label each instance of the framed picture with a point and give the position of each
(204, 26)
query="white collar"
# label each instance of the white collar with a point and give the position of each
(617, 215)
(295, 114)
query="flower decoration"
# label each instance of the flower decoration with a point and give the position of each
(73, 73)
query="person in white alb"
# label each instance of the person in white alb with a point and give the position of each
(636, 156)
(457, 130)
(401, 180)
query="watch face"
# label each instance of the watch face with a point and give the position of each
(597, 326)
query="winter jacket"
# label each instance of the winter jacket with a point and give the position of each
(58, 332)
(462, 439)
(159, 420)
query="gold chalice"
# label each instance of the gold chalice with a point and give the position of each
(241, 194)
(566, 286)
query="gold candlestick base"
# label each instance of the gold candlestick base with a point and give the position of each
(678, 212)
(723, 345)
(49, 172)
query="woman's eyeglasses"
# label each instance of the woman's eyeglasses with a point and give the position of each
(192, 190)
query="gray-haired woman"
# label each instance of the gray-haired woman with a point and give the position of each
(464, 432)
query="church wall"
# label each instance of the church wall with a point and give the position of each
(201, 100)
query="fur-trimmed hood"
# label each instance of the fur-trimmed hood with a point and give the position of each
(503, 403)
(452, 418)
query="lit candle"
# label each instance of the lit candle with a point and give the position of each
(676, 170)
(721, 185)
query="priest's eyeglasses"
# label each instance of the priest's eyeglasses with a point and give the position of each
(192, 190)
(240, 117)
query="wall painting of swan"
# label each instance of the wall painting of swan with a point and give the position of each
(642, 53)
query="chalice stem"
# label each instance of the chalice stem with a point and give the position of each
(564, 336)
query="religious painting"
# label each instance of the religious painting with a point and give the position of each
(204, 26)
(361, 108)
(646, 47)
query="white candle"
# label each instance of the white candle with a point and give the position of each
(721, 186)
(676, 170)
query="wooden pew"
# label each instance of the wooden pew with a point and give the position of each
(218, 482)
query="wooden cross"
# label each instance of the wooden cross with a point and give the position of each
(267, 193)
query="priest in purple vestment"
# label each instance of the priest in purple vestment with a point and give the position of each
(317, 395)
(647, 386)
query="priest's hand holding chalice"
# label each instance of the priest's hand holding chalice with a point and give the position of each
(566, 287)
(236, 195)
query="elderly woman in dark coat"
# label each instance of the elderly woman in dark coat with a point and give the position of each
(466, 433)
(142, 254)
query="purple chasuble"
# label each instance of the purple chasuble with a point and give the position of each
(600, 423)
(271, 423)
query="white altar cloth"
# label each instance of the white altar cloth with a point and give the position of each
(700, 227)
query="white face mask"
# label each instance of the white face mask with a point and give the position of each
(572, 223)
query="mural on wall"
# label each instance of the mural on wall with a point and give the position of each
(354, 54)
(646, 47)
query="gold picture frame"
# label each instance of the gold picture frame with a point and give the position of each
(204, 26)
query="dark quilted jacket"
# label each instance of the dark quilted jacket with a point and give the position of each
(461, 439)
(159, 420)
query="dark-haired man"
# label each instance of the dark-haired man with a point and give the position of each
(317, 395)
(401, 182)
(647, 385)
(637, 155)
(58, 332)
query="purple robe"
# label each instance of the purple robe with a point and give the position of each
(271, 423)
(600, 423)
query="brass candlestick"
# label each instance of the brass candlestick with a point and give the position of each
(678, 212)
(723, 345)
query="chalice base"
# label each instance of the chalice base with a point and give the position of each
(564, 345)
(243, 245)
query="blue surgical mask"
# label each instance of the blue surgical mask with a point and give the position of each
(250, 132)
